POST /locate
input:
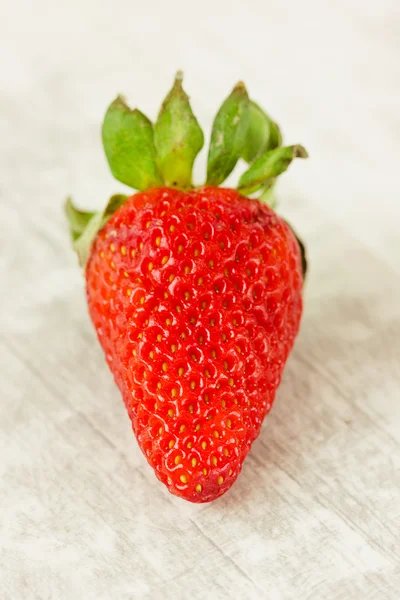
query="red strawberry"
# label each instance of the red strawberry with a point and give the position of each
(195, 295)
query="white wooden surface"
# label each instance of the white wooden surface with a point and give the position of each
(316, 511)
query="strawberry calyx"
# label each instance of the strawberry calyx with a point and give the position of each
(143, 156)
(228, 135)
(84, 226)
(178, 138)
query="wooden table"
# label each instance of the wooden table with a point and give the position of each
(316, 511)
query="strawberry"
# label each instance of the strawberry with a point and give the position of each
(195, 292)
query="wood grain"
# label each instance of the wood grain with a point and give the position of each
(316, 511)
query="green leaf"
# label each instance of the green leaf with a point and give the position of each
(83, 244)
(228, 135)
(275, 136)
(268, 166)
(268, 194)
(114, 203)
(128, 141)
(257, 133)
(178, 137)
(77, 219)
(82, 241)
(262, 134)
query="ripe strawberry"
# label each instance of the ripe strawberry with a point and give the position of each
(195, 294)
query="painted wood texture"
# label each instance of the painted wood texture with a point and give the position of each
(315, 513)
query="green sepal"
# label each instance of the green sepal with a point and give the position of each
(83, 240)
(228, 135)
(128, 140)
(268, 195)
(268, 166)
(275, 136)
(178, 137)
(77, 219)
(262, 134)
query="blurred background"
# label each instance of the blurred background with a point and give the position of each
(82, 515)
